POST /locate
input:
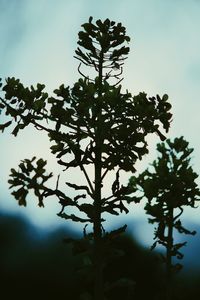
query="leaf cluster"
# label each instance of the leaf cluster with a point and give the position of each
(103, 39)
(72, 120)
(22, 104)
(31, 175)
(171, 180)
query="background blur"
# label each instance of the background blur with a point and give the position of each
(37, 43)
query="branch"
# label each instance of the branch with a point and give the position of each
(82, 169)
(81, 60)
(57, 181)
(118, 82)
(181, 211)
(89, 131)
(39, 126)
(108, 198)
(5, 102)
(104, 174)
(87, 178)
(83, 74)
(79, 187)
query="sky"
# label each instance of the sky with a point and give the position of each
(38, 40)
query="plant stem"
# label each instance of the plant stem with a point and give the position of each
(169, 253)
(98, 255)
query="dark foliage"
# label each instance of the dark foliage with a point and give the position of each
(35, 265)
(39, 265)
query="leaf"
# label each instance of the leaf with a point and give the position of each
(3, 126)
(66, 201)
(40, 86)
(79, 197)
(39, 104)
(88, 209)
(58, 124)
(41, 163)
(154, 245)
(23, 168)
(115, 185)
(17, 128)
(165, 97)
(20, 195)
(115, 233)
(123, 208)
(73, 218)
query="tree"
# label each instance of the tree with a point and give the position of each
(92, 123)
(169, 186)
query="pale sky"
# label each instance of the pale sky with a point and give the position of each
(38, 39)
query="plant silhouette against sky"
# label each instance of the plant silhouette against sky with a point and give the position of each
(169, 186)
(93, 123)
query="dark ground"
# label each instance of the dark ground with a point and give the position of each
(40, 265)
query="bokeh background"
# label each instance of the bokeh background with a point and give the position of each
(37, 43)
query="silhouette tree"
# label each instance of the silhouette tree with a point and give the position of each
(92, 123)
(169, 185)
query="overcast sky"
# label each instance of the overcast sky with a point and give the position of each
(37, 43)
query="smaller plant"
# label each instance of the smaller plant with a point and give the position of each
(169, 185)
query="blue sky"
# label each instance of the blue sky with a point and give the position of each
(38, 39)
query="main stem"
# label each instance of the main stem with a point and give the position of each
(169, 253)
(98, 255)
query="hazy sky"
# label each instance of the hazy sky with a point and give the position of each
(37, 43)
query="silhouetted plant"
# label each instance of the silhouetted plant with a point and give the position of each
(92, 123)
(169, 185)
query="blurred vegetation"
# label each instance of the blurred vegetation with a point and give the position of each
(169, 186)
(39, 265)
